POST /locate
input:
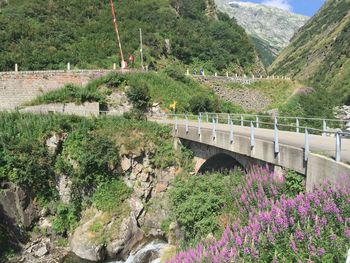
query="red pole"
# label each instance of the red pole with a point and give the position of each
(117, 31)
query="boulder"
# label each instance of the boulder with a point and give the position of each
(136, 206)
(125, 163)
(42, 251)
(128, 237)
(17, 206)
(54, 143)
(83, 245)
(64, 187)
(162, 187)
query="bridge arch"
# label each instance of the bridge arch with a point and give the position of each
(219, 162)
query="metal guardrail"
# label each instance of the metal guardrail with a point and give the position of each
(230, 120)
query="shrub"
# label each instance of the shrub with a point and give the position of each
(201, 103)
(66, 219)
(197, 202)
(139, 97)
(110, 195)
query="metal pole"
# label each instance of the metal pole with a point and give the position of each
(207, 117)
(217, 118)
(16, 67)
(242, 120)
(257, 121)
(199, 125)
(277, 146)
(307, 145)
(231, 132)
(186, 124)
(252, 139)
(324, 128)
(214, 129)
(338, 147)
(176, 124)
(141, 49)
(297, 124)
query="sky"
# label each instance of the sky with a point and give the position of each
(303, 7)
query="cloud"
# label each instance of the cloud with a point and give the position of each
(281, 4)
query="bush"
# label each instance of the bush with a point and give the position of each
(110, 195)
(66, 219)
(197, 202)
(200, 103)
(88, 168)
(139, 97)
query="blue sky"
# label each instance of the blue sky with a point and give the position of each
(304, 7)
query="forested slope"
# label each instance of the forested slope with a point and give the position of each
(41, 34)
(319, 54)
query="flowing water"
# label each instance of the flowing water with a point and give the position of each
(149, 253)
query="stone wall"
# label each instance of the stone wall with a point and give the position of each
(19, 87)
(86, 109)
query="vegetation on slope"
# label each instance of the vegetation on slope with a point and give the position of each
(319, 53)
(164, 88)
(89, 157)
(40, 34)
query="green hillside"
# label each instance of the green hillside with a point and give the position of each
(42, 34)
(319, 54)
(163, 87)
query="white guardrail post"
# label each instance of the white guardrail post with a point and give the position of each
(252, 139)
(186, 123)
(297, 124)
(214, 129)
(337, 147)
(231, 132)
(199, 124)
(307, 146)
(242, 121)
(207, 116)
(176, 124)
(257, 122)
(324, 128)
(276, 139)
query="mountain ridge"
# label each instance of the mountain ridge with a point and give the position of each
(270, 28)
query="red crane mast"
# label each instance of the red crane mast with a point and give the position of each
(123, 64)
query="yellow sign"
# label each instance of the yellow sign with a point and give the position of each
(173, 106)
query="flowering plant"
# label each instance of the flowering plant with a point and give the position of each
(310, 227)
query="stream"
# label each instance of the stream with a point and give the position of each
(150, 253)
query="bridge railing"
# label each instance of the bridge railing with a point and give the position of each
(261, 121)
(318, 126)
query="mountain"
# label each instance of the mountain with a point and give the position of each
(319, 54)
(270, 28)
(46, 34)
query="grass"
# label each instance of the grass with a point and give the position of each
(164, 89)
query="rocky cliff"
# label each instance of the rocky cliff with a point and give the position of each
(270, 28)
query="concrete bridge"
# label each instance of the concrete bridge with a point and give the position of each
(219, 145)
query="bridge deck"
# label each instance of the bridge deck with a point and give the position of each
(318, 144)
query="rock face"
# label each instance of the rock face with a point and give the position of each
(248, 99)
(126, 233)
(83, 246)
(64, 187)
(17, 206)
(129, 236)
(271, 28)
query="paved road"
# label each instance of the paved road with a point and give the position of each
(318, 144)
